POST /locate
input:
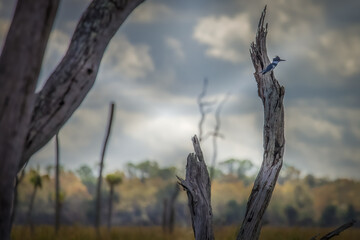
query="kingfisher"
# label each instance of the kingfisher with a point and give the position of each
(272, 65)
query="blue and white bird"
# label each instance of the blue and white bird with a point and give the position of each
(272, 65)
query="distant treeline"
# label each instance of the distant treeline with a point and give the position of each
(141, 188)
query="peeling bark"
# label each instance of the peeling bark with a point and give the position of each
(198, 188)
(271, 94)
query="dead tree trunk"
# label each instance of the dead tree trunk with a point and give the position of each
(99, 183)
(28, 120)
(271, 94)
(171, 211)
(30, 209)
(73, 78)
(165, 215)
(168, 217)
(19, 71)
(197, 183)
(110, 205)
(198, 188)
(18, 180)
(57, 184)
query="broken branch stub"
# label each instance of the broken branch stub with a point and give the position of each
(198, 188)
(337, 231)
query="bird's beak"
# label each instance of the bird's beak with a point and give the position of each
(282, 60)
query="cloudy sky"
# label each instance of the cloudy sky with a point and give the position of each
(154, 69)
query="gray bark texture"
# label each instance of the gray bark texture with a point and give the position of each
(271, 94)
(75, 75)
(198, 188)
(20, 63)
(28, 120)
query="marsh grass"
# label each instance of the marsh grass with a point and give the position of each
(155, 233)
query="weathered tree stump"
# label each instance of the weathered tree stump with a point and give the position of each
(198, 188)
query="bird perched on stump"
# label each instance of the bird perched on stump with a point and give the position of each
(272, 65)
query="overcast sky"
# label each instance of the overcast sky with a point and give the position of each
(154, 68)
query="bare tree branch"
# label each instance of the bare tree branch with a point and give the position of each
(198, 187)
(217, 134)
(271, 94)
(337, 231)
(75, 75)
(204, 108)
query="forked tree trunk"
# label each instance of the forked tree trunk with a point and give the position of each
(271, 94)
(31, 120)
(73, 78)
(99, 183)
(197, 183)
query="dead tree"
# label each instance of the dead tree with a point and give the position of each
(216, 134)
(271, 94)
(197, 182)
(165, 214)
(28, 120)
(100, 179)
(36, 180)
(57, 184)
(113, 179)
(18, 180)
(204, 107)
(168, 216)
(198, 188)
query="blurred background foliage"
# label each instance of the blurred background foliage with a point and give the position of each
(140, 189)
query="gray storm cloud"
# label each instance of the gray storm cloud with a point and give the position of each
(154, 67)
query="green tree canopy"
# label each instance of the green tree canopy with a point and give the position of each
(114, 178)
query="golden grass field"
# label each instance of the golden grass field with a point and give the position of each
(155, 233)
